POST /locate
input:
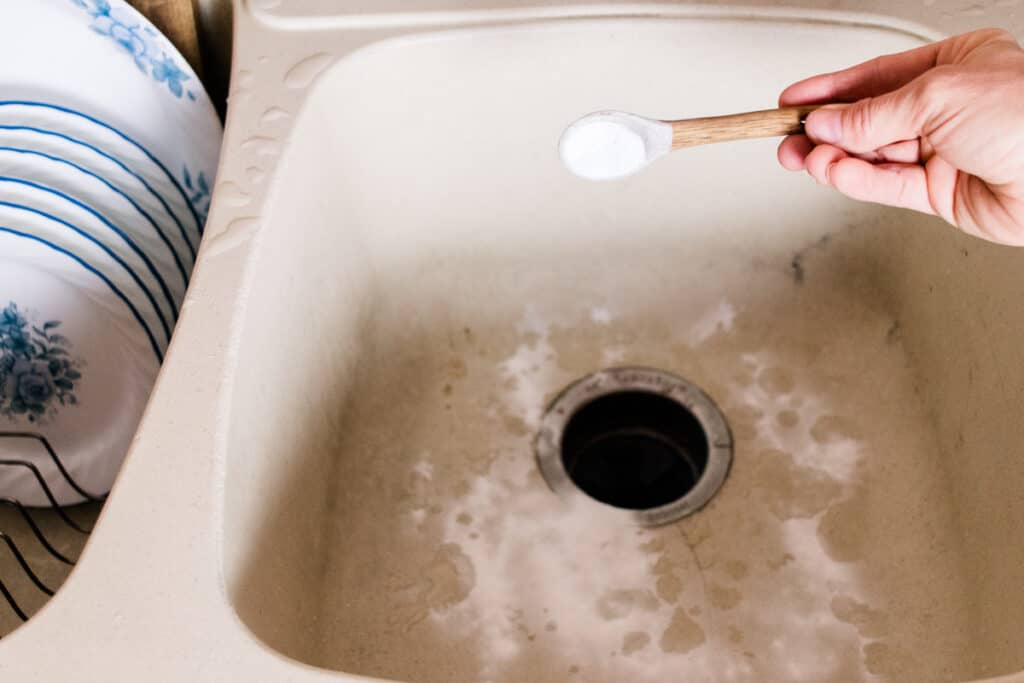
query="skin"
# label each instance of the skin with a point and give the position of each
(937, 129)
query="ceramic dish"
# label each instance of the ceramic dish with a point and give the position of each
(123, 73)
(78, 244)
(108, 150)
(154, 199)
(64, 209)
(75, 366)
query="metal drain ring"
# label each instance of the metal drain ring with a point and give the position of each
(548, 442)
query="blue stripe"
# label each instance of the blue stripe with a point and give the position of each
(131, 243)
(111, 254)
(115, 160)
(143, 212)
(111, 285)
(103, 124)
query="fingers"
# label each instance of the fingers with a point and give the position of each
(903, 185)
(874, 77)
(873, 123)
(793, 150)
(903, 152)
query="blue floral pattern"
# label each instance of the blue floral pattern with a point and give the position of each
(37, 373)
(198, 190)
(140, 40)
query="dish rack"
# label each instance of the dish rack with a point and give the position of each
(41, 545)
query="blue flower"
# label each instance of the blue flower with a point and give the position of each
(36, 372)
(29, 386)
(10, 318)
(166, 70)
(17, 343)
(138, 39)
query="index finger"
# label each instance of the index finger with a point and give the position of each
(873, 77)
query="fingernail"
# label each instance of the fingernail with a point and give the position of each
(824, 125)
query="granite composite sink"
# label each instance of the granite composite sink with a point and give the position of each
(349, 407)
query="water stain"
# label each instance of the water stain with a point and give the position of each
(682, 635)
(619, 604)
(723, 597)
(668, 587)
(776, 380)
(634, 641)
(844, 529)
(787, 419)
(737, 569)
(832, 428)
(515, 425)
(445, 582)
(778, 563)
(791, 491)
(888, 661)
(870, 623)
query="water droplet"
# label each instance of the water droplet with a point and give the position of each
(232, 194)
(255, 175)
(261, 146)
(238, 232)
(303, 73)
(273, 115)
(243, 80)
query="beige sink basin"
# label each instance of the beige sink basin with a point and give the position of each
(336, 475)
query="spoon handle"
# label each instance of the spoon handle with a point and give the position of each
(755, 124)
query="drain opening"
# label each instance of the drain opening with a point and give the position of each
(634, 450)
(638, 439)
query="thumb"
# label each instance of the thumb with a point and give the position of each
(871, 123)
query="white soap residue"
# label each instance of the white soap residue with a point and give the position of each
(607, 145)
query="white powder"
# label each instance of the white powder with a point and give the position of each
(608, 145)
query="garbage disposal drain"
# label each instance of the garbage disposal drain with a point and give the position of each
(638, 439)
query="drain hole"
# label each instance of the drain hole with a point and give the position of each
(634, 449)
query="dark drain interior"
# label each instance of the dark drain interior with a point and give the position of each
(634, 449)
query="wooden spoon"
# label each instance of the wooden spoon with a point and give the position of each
(611, 144)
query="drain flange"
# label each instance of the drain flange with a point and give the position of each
(638, 439)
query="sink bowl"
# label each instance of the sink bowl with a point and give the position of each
(430, 278)
(335, 479)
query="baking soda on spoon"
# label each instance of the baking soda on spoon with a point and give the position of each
(613, 144)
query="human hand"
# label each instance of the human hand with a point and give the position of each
(939, 129)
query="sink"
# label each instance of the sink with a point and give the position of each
(336, 478)
(430, 278)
